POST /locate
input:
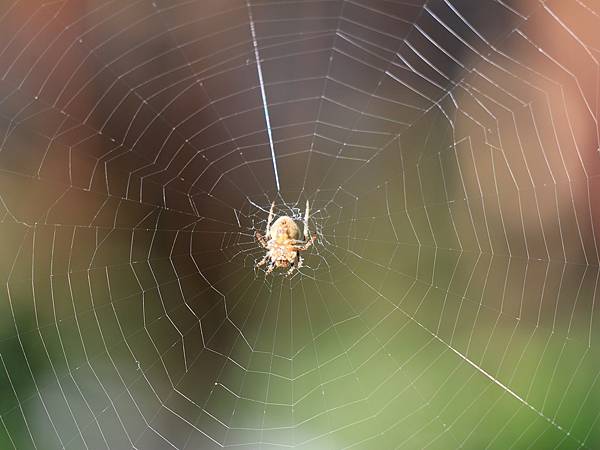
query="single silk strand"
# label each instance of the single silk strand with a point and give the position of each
(263, 95)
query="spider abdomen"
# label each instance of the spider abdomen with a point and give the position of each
(284, 229)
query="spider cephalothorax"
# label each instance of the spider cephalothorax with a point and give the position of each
(283, 243)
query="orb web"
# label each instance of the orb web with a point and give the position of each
(449, 152)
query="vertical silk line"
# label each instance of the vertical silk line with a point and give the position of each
(263, 94)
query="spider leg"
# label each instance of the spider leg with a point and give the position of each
(289, 272)
(300, 242)
(304, 245)
(261, 239)
(306, 215)
(263, 261)
(270, 219)
(270, 269)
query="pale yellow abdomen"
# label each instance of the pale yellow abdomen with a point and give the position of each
(284, 229)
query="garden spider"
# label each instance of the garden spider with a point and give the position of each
(283, 243)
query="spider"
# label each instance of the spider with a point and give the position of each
(283, 244)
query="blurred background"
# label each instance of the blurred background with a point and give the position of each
(449, 152)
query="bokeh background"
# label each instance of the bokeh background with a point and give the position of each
(449, 151)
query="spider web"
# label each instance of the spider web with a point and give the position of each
(449, 152)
